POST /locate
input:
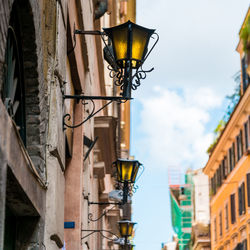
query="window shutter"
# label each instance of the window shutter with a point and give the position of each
(248, 189)
(240, 200)
(241, 144)
(225, 163)
(246, 136)
(230, 160)
(233, 155)
(232, 202)
(244, 243)
(243, 198)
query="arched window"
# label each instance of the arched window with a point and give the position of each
(13, 93)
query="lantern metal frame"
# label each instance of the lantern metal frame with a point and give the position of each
(128, 224)
(128, 186)
(123, 77)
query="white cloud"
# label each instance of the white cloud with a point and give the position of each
(173, 124)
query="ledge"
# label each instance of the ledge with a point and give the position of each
(105, 129)
(20, 168)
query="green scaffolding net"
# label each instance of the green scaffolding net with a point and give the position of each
(182, 211)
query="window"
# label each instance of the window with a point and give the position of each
(244, 244)
(239, 146)
(215, 182)
(220, 223)
(226, 217)
(13, 89)
(248, 189)
(212, 188)
(225, 167)
(218, 174)
(232, 201)
(232, 157)
(246, 136)
(241, 194)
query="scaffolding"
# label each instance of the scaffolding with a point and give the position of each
(182, 210)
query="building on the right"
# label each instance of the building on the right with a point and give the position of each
(228, 167)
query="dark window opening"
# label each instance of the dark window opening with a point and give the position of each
(239, 146)
(13, 93)
(226, 216)
(232, 201)
(220, 221)
(248, 189)
(241, 199)
(246, 136)
(9, 230)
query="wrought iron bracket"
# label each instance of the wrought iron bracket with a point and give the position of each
(105, 203)
(83, 32)
(101, 232)
(90, 215)
(84, 98)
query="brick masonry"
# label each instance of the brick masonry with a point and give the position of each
(36, 105)
(35, 89)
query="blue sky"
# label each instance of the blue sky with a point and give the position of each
(176, 109)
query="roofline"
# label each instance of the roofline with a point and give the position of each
(241, 27)
(227, 124)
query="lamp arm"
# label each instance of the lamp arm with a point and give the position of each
(90, 215)
(93, 112)
(111, 99)
(68, 116)
(101, 231)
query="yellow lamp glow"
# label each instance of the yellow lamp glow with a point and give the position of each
(126, 228)
(129, 43)
(127, 170)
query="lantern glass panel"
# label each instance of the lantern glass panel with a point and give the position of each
(123, 228)
(140, 38)
(130, 229)
(136, 168)
(120, 43)
(127, 168)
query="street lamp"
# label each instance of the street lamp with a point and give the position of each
(126, 171)
(125, 51)
(129, 47)
(126, 175)
(126, 229)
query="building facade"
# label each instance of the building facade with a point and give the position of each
(182, 210)
(200, 237)
(50, 172)
(228, 168)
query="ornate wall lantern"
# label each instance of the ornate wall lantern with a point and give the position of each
(126, 49)
(126, 229)
(126, 176)
(126, 171)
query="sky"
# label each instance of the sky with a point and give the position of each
(179, 104)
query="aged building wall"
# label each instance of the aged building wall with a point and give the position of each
(46, 178)
(23, 148)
